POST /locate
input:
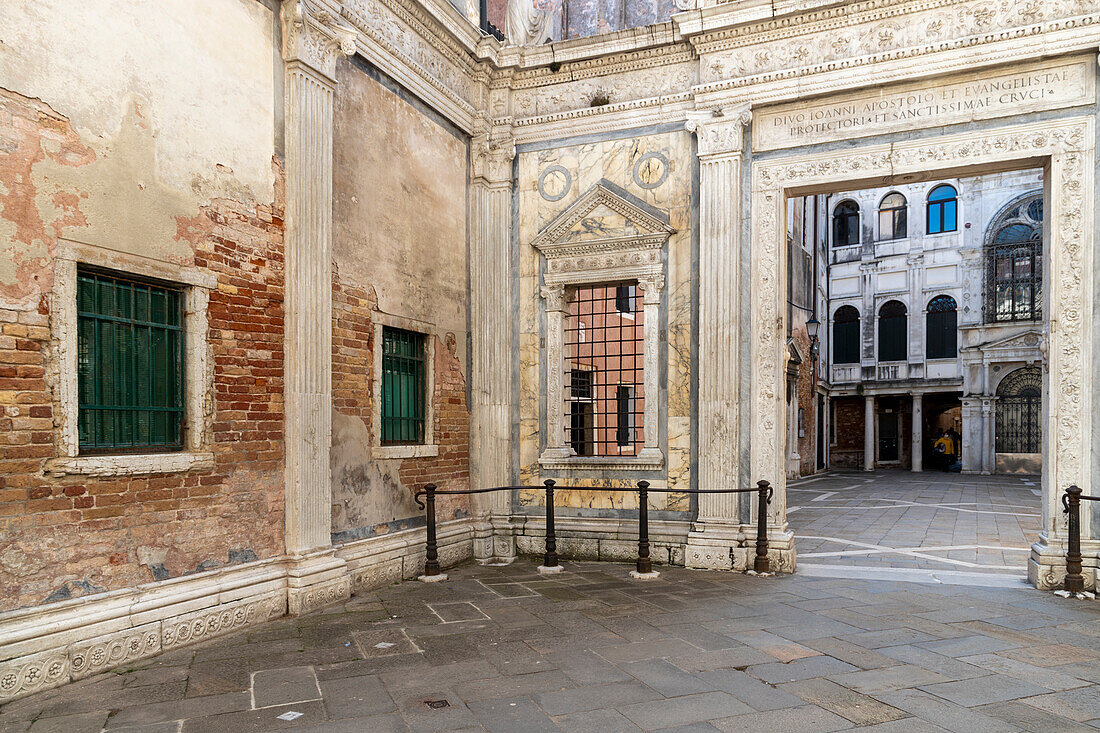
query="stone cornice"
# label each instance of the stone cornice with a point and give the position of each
(591, 68)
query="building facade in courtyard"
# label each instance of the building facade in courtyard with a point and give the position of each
(271, 267)
(935, 323)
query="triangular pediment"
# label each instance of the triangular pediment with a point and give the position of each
(605, 217)
(1026, 340)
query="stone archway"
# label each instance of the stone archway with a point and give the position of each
(1065, 148)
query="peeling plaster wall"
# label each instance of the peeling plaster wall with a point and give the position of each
(141, 129)
(400, 253)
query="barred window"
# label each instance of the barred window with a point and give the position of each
(1019, 418)
(846, 335)
(892, 217)
(892, 332)
(604, 370)
(129, 364)
(846, 224)
(1014, 259)
(943, 205)
(942, 327)
(403, 399)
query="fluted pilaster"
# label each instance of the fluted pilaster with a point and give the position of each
(491, 311)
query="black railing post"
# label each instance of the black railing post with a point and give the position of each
(761, 564)
(550, 559)
(1071, 501)
(645, 565)
(431, 562)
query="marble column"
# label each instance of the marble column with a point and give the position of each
(717, 537)
(491, 319)
(918, 432)
(311, 47)
(989, 445)
(973, 435)
(869, 433)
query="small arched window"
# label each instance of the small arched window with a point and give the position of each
(846, 335)
(943, 209)
(1014, 248)
(891, 217)
(892, 335)
(1019, 423)
(942, 328)
(846, 224)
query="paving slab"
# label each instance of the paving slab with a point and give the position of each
(804, 719)
(683, 710)
(284, 686)
(859, 709)
(594, 697)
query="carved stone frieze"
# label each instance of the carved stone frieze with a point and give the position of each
(406, 32)
(210, 622)
(318, 595)
(315, 37)
(605, 89)
(376, 575)
(868, 32)
(33, 673)
(106, 652)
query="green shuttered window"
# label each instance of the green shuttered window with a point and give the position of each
(402, 386)
(129, 364)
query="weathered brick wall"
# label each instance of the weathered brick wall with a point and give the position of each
(70, 536)
(847, 452)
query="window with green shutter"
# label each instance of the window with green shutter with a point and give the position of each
(129, 364)
(402, 386)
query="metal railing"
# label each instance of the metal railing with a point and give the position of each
(1071, 503)
(644, 566)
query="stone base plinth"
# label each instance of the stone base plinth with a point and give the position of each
(432, 578)
(651, 575)
(316, 581)
(551, 570)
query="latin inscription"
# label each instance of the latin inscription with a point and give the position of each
(994, 96)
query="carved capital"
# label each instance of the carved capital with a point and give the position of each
(315, 37)
(491, 160)
(554, 295)
(651, 287)
(722, 132)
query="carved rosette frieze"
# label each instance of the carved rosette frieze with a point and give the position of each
(1067, 145)
(315, 37)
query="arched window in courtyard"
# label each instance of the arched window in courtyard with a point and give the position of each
(943, 209)
(1014, 262)
(891, 217)
(892, 331)
(846, 224)
(942, 328)
(1019, 406)
(846, 335)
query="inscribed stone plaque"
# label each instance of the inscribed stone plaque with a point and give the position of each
(979, 96)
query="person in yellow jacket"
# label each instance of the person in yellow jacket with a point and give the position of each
(945, 449)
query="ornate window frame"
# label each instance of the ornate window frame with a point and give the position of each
(569, 261)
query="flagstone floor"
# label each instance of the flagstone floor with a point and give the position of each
(503, 649)
(927, 521)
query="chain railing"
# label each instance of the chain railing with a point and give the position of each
(1071, 506)
(644, 566)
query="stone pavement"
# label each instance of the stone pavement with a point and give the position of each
(929, 521)
(504, 649)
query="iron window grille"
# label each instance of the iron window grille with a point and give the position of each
(943, 209)
(846, 335)
(892, 332)
(892, 217)
(846, 224)
(1019, 412)
(942, 327)
(403, 388)
(604, 371)
(130, 370)
(1014, 260)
